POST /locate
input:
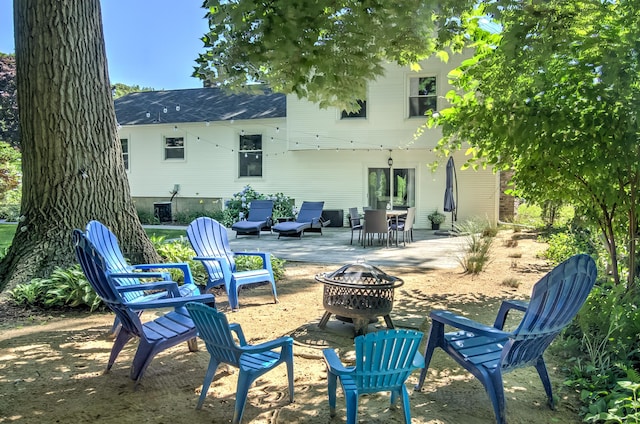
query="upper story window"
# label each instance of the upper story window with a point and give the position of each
(250, 156)
(362, 113)
(422, 95)
(125, 152)
(173, 148)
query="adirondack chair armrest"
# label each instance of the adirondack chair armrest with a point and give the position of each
(266, 258)
(156, 275)
(466, 324)
(183, 266)
(169, 286)
(334, 364)
(281, 342)
(172, 302)
(236, 328)
(263, 255)
(505, 307)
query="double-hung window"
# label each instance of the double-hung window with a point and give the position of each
(422, 95)
(173, 148)
(250, 156)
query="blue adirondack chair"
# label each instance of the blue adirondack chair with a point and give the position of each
(309, 219)
(210, 242)
(488, 352)
(259, 218)
(252, 360)
(117, 266)
(384, 361)
(168, 330)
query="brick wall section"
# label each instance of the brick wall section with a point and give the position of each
(508, 204)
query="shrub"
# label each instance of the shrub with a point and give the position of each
(186, 217)
(147, 217)
(563, 245)
(64, 288)
(511, 282)
(477, 253)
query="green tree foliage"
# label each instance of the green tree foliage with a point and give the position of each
(555, 96)
(9, 130)
(119, 89)
(9, 169)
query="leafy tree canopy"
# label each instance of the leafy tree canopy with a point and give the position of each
(119, 89)
(8, 100)
(323, 51)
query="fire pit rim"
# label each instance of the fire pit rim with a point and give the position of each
(392, 282)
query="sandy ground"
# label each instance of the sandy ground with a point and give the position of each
(51, 366)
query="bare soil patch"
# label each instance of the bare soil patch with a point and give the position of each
(51, 365)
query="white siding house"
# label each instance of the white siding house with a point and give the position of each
(209, 145)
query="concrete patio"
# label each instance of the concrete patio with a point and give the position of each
(332, 247)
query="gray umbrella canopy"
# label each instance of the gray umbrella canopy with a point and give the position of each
(449, 200)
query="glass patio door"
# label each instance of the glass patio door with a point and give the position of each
(391, 186)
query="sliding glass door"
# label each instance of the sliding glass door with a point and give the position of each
(393, 187)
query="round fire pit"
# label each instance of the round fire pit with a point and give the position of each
(360, 293)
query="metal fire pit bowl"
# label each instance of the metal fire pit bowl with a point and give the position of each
(360, 293)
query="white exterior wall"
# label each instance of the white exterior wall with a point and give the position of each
(313, 154)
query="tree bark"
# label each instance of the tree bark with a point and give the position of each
(71, 155)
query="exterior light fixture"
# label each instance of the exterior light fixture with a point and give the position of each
(390, 161)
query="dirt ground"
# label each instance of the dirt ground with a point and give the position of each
(51, 366)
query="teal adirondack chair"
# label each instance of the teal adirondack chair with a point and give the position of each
(169, 329)
(384, 361)
(488, 352)
(210, 242)
(252, 360)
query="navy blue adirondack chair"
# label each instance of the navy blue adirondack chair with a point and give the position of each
(210, 242)
(259, 218)
(309, 219)
(252, 360)
(384, 361)
(117, 266)
(168, 330)
(488, 352)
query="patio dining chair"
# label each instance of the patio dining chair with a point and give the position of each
(355, 223)
(376, 223)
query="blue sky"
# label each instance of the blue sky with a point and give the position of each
(150, 44)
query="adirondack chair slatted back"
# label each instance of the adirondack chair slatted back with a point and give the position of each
(94, 267)
(107, 244)
(555, 301)
(209, 239)
(213, 328)
(384, 359)
(260, 210)
(310, 212)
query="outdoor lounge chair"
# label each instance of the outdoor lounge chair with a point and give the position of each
(210, 242)
(384, 361)
(107, 244)
(165, 331)
(259, 218)
(309, 219)
(489, 352)
(228, 348)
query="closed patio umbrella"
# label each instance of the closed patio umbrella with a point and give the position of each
(449, 201)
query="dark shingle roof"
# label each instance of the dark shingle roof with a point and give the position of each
(197, 105)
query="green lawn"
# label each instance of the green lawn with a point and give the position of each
(8, 230)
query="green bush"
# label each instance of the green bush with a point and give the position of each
(563, 245)
(10, 211)
(186, 217)
(64, 288)
(147, 217)
(237, 207)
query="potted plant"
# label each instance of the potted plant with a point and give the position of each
(436, 219)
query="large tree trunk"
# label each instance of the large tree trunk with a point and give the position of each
(71, 155)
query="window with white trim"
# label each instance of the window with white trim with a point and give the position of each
(362, 113)
(173, 148)
(422, 95)
(250, 156)
(124, 142)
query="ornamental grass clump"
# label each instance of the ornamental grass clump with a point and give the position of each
(477, 254)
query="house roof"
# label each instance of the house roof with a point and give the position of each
(197, 105)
